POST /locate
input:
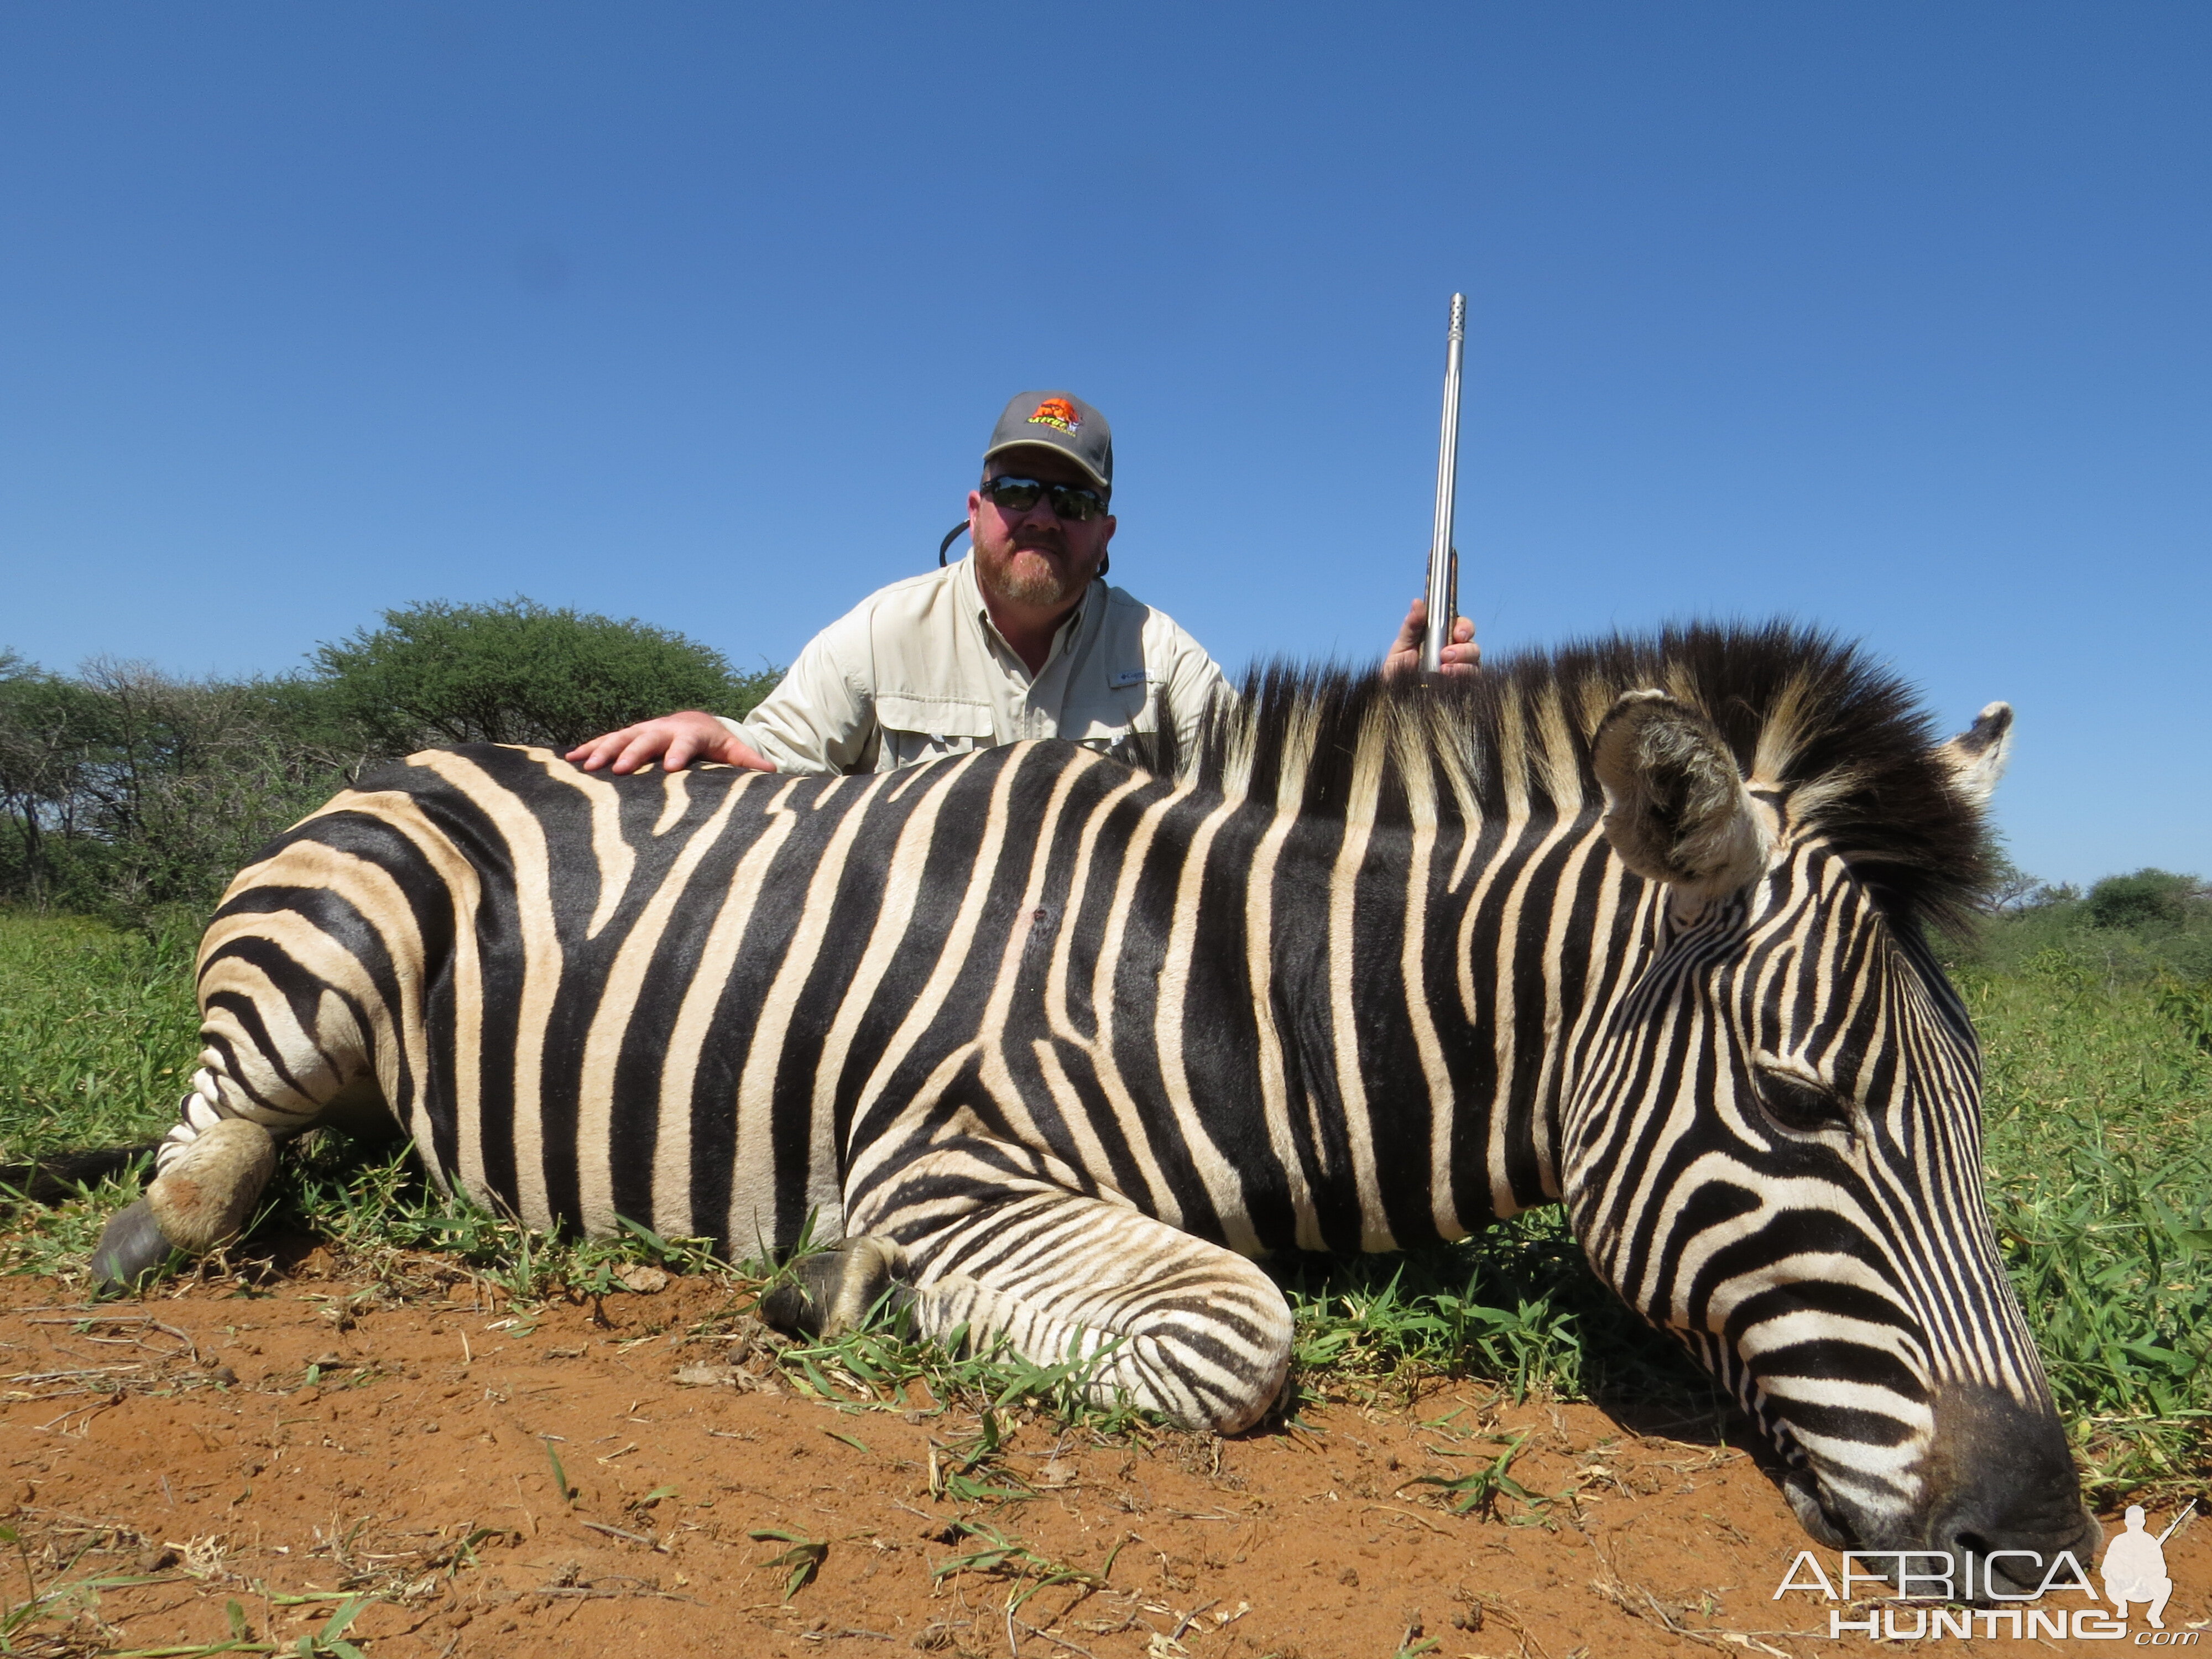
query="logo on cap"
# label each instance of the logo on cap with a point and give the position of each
(1056, 412)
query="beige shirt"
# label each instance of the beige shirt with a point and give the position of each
(917, 670)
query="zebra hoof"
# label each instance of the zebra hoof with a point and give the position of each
(207, 1194)
(834, 1292)
(130, 1247)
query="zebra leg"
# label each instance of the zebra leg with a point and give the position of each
(1004, 1244)
(262, 1079)
(200, 1201)
(1179, 1326)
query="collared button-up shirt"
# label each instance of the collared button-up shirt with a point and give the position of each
(917, 670)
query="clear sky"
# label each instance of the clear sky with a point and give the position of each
(1891, 317)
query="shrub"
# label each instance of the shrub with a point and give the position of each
(2148, 898)
(134, 794)
(2141, 928)
(45, 725)
(131, 793)
(514, 672)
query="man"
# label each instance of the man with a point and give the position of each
(1023, 638)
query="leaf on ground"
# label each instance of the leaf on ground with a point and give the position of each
(560, 1475)
(804, 1557)
(703, 1374)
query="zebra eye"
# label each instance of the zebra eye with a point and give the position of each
(1795, 1103)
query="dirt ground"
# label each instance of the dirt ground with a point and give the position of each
(219, 1463)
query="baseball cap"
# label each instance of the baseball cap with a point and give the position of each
(1061, 421)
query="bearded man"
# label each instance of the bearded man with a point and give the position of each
(1022, 638)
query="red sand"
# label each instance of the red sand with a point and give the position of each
(175, 1447)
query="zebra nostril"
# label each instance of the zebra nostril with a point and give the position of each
(2010, 1575)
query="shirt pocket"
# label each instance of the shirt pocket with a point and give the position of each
(1100, 720)
(924, 728)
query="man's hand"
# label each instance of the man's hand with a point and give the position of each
(1462, 656)
(674, 740)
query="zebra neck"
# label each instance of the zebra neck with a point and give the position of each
(1424, 991)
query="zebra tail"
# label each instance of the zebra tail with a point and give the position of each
(59, 1176)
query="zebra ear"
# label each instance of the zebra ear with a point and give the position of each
(1977, 756)
(1676, 808)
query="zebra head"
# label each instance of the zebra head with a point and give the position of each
(1772, 1147)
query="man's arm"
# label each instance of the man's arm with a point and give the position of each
(819, 718)
(816, 719)
(1461, 657)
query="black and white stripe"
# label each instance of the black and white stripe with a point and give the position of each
(1636, 926)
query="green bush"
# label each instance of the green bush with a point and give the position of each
(130, 794)
(135, 795)
(515, 671)
(2155, 899)
(2139, 929)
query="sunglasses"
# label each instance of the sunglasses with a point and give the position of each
(1070, 501)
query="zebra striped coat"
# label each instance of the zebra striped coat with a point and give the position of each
(1061, 1041)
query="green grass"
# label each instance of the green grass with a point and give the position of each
(98, 1033)
(2098, 1103)
(2099, 1108)
(1516, 1304)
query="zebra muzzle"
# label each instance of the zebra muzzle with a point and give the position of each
(1803, 1493)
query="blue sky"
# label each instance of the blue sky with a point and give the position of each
(1888, 317)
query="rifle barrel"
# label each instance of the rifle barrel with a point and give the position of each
(2177, 1521)
(1443, 559)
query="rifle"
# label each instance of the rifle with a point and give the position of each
(1443, 557)
(2177, 1519)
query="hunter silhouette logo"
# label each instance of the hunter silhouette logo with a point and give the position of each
(1056, 412)
(2134, 1566)
(1912, 1583)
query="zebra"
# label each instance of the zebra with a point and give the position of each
(1057, 1044)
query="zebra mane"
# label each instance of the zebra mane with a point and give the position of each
(1804, 713)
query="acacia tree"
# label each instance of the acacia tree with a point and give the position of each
(2148, 898)
(47, 727)
(137, 794)
(516, 671)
